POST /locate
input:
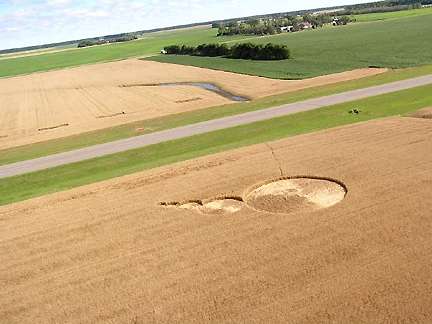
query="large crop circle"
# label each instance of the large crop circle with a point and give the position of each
(296, 194)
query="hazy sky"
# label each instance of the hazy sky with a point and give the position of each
(31, 22)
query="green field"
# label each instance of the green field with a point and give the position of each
(393, 15)
(37, 52)
(65, 177)
(394, 43)
(129, 130)
(149, 45)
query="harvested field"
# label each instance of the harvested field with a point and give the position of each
(100, 96)
(111, 253)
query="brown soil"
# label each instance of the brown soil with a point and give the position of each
(425, 113)
(109, 253)
(80, 96)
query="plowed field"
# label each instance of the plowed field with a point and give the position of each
(112, 253)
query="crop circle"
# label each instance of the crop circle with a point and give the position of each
(296, 194)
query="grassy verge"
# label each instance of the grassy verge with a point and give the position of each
(65, 177)
(129, 130)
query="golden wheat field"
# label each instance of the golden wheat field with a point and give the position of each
(55, 104)
(333, 226)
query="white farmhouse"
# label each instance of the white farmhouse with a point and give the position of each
(287, 29)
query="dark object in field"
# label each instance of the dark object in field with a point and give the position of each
(355, 111)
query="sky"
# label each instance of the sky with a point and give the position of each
(34, 22)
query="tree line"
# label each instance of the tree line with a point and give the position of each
(246, 51)
(384, 6)
(389, 3)
(381, 9)
(93, 42)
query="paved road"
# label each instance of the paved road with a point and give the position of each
(204, 127)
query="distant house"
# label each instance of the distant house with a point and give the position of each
(287, 29)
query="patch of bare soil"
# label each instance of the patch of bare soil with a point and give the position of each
(425, 113)
(296, 194)
(83, 95)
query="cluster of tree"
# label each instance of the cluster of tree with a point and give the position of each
(273, 26)
(211, 50)
(123, 39)
(316, 20)
(88, 42)
(246, 51)
(249, 51)
(92, 42)
(250, 27)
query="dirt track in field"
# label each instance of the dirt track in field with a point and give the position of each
(109, 253)
(95, 97)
